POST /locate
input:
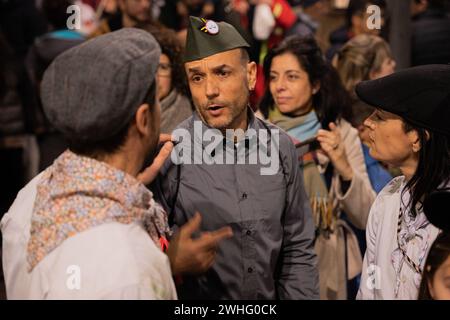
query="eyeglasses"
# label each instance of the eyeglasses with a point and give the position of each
(164, 70)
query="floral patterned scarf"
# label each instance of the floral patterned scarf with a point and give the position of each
(77, 193)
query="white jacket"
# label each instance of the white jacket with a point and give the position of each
(110, 261)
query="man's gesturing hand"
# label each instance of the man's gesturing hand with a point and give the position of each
(149, 174)
(194, 256)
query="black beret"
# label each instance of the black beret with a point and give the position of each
(420, 95)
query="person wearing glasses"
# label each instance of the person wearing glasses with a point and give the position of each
(172, 87)
(409, 130)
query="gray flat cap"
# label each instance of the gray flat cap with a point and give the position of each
(92, 90)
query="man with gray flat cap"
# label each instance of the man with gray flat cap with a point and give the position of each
(270, 255)
(87, 227)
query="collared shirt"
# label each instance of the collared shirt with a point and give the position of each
(271, 253)
(386, 272)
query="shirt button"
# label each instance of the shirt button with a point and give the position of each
(244, 195)
(249, 232)
(250, 270)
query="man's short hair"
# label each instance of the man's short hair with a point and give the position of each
(245, 58)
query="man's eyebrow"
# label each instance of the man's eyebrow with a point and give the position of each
(194, 70)
(290, 70)
(221, 67)
(215, 69)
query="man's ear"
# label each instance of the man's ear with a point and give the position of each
(251, 75)
(142, 119)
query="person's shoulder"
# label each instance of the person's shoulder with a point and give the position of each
(29, 189)
(183, 100)
(183, 106)
(386, 196)
(285, 139)
(283, 143)
(187, 124)
(392, 187)
(380, 215)
(22, 207)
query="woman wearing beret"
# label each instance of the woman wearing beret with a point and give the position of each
(409, 130)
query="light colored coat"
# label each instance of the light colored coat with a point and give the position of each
(386, 274)
(356, 203)
(110, 261)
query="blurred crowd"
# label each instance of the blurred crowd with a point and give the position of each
(329, 43)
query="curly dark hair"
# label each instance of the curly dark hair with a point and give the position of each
(170, 46)
(332, 102)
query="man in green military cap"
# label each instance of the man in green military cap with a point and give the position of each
(271, 254)
(219, 49)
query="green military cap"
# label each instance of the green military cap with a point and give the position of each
(207, 37)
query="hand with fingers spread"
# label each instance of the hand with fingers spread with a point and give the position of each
(194, 256)
(149, 174)
(331, 143)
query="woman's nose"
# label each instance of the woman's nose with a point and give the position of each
(279, 85)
